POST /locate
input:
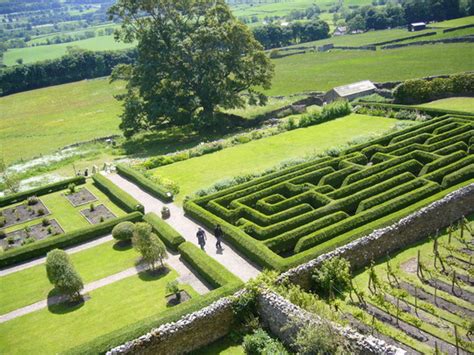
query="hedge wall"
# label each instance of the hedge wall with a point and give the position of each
(117, 195)
(145, 183)
(212, 271)
(41, 247)
(42, 190)
(167, 234)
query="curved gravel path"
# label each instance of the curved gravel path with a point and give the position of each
(228, 257)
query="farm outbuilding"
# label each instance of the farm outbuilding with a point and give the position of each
(350, 91)
(417, 26)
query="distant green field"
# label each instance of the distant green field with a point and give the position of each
(34, 54)
(196, 173)
(41, 121)
(453, 103)
(322, 71)
(454, 23)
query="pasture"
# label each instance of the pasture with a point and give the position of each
(453, 103)
(256, 156)
(53, 51)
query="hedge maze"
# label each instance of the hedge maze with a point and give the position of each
(287, 217)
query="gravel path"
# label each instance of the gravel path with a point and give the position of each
(229, 257)
(186, 277)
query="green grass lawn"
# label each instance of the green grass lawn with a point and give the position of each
(196, 173)
(52, 51)
(111, 307)
(323, 71)
(43, 120)
(454, 23)
(224, 346)
(66, 214)
(31, 285)
(453, 103)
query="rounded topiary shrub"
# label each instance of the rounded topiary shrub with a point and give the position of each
(123, 231)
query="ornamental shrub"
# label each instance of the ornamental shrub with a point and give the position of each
(123, 231)
(338, 108)
(260, 343)
(333, 273)
(62, 275)
(33, 200)
(149, 245)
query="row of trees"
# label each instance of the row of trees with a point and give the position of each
(409, 11)
(77, 65)
(274, 36)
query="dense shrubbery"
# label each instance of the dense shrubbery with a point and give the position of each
(76, 65)
(62, 275)
(168, 234)
(123, 231)
(420, 90)
(116, 194)
(261, 343)
(330, 111)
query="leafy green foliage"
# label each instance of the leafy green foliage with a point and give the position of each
(123, 231)
(149, 245)
(260, 343)
(333, 277)
(201, 57)
(62, 275)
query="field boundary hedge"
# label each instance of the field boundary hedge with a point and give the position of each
(40, 248)
(436, 112)
(167, 234)
(42, 190)
(117, 195)
(146, 184)
(458, 28)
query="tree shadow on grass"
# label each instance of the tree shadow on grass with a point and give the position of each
(123, 245)
(149, 275)
(60, 304)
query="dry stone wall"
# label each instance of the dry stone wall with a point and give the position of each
(403, 233)
(285, 319)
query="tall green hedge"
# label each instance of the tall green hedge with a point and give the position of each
(212, 271)
(42, 190)
(41, 247)
(117, 195)
(146, 184)
(167, 234)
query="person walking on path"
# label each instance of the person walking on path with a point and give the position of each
(201, 236)
(218, 234)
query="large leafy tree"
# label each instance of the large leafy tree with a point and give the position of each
(193, 56)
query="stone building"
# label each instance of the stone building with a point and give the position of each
(351, 91)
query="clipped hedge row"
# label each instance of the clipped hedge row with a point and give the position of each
(42, 190)
(212, 271)
(103, 343)
(253, 249)
(145, 183)
(167, 234)
(41, 247)
(439, 174)
(366, 217)
(117, 195)
(442, 161)
(458, 176)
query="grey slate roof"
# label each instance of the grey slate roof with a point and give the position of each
(354, 88)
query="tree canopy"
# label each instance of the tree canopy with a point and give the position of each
(193, 56)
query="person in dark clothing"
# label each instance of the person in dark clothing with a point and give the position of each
(218, 234)
(201, 236)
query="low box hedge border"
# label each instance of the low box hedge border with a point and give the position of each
(104, 343)
(42, 190)
(212, 271)
(40, 248)
(167, 234)
(145, 183)
(117, 195)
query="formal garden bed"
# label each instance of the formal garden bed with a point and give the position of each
(31, 209)
(97, 214)
(30, 234)
(291, 216)
(80, 197)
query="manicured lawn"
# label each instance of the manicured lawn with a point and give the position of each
(66, 214)
(31, 285)
(43, 120)
(224, 346)
(53, 51)
(453, 103)
(111, 307)
(455, 23)
(322, 71)
(196, 173)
